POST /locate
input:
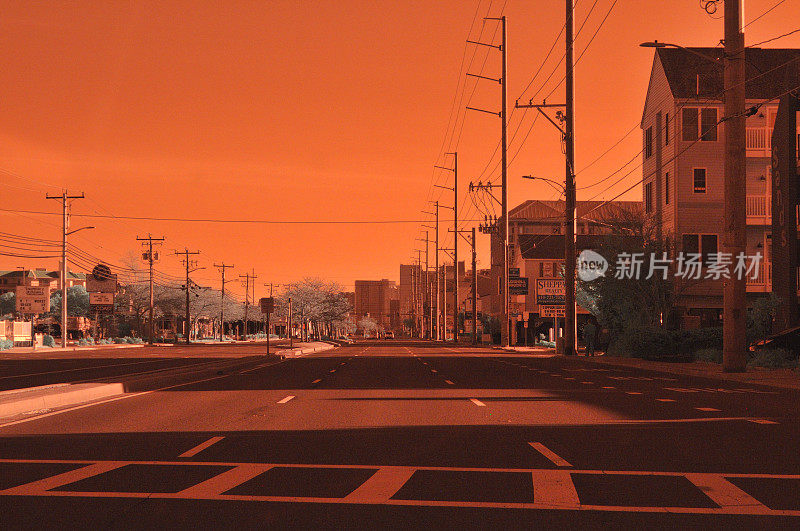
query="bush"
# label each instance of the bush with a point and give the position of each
(130, 340)
(6, 344)
(691, 341)
(773, 359)
(48, 341)
(712, 355)
(119, 340)
(646, 343)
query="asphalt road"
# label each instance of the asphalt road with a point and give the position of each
(399, 434)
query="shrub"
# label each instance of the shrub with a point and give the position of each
(48, 341)
(130, 340)
(709, 354)
(645, 342)
(119, 340)
(6, 344)
(691, 341)
(773, 359)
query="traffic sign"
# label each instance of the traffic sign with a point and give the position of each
(267, 304)
(33, 299)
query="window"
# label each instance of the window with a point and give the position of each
(648, 143)
(666, 129)
(691, 244)
(699, 124)
(708, 124)
(703, 244)
(689, 125)
(708, 245)
(648, 197)
(699, 180)
(666, 188)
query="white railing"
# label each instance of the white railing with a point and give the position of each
(758, 205)
(759, 138)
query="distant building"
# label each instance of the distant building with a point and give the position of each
(684, 157)
(409, 290)
(373, 299)
(9, 280)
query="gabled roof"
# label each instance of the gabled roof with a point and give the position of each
(544, 210)
(765, 68)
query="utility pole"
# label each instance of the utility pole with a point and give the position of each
(569, 191)
(188, 263)
(247, 277)
(435, 320)
(150, 259)
(454, 189)
(419, 318)
(64, 198)
(427, 330)
(505, 327)
(474, 291)
(734, 315)
(289, 324)
(222, 268)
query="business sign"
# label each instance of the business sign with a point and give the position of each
(101, 285)
(518, 286)
(550, 291)
(101, 299)
(33, 299)
(267, 304)
(551, 311)
(513, 272)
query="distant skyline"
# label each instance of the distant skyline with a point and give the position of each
(300, 110)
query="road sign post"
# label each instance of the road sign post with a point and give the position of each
(267, 307)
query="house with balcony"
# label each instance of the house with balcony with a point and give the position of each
(683, 134)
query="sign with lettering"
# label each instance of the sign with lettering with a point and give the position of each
(267, 304)
(551, 311)
(101, 299)
(518, 286)
(550, 291)
(33, 299)
(101, 285)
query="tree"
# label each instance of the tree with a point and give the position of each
(77, 302)
(8, 303)
(367, 324)
(316, 303)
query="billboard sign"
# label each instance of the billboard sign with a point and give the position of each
(551, 311)
(550, 291)
(101, 285)
(101, 299)
(518, 286)
(33, 299)
(267, 304)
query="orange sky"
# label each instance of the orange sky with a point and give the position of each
(303, 110)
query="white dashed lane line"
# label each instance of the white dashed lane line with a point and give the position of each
(449, 382)
(763, 421)
(706, 409)
(665, 399)
(632, 392)
(318, 380)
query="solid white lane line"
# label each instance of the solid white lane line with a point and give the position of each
(477, 402)
(284, 400)
(706, 409)
(200, 447)
(318, 380)
(665, 399)
(550, 454)
(449, 382)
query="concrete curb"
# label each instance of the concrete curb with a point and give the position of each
(20, 401)
(765, 377)
(296, 352)
(31, 399)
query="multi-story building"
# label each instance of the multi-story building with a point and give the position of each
(410, 301)
(684, 155)
(373, 299)
(536, 250)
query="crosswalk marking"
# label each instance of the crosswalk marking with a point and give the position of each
(551, 455)
(477, 402)
(200, 447)
(284, 400)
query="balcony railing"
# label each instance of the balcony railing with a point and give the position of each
(759, 139)
(763, 280)
(758, 209)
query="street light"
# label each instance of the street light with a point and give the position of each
(555, 184)
(656, 44)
